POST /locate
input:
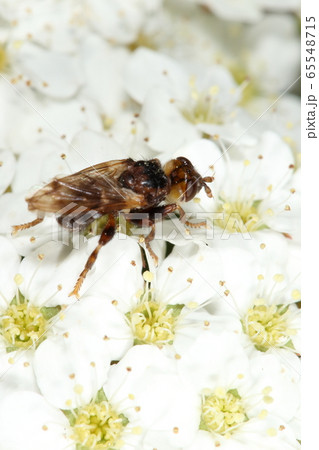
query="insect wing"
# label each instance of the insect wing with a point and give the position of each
(94, 188)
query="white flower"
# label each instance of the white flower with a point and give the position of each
(180, 105)
(167, 408)
(31, 317)
(256, 55)
(255, 188)
(45, 125)
(260, 292)
(245, 402)
(23, 324)
(161, 308)
(248, 11)
(50, 73)
(271, 59)
(167, 311)
(76, 422)
(103, 71)
(283, 118)
(121, 22)
(51, 24)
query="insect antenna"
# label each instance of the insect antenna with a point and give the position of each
(207, 188)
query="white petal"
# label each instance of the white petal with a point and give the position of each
(167, 129)
(7, 168)
(147, 69)
(50, 277)
(16, 373)
(190, 274)
(16, 211)
(160, 393)
(48, 164)
(89, 148)
(10, 261)
(40, 425)
(53, 74)
(103, 69)
(120, 21)
(245, 10)
(96, 317)
(70, 369)
(270, 370)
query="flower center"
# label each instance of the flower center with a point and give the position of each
(250, 90)
(239, 216)
(98, 426)
(23, 325)
(203, 106)
(222, 411)
(154, 322)
(3, 59)
(267, 326)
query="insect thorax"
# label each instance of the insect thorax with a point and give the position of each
(147, 178)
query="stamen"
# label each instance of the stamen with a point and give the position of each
(154, 322)
(97, 425)
(222, 411)
(268, 326)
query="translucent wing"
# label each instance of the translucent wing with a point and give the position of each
(95, 188)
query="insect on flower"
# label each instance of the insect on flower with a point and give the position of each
(112, 187)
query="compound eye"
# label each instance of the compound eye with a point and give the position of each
(192, 188)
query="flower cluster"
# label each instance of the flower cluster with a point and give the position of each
(189, 340)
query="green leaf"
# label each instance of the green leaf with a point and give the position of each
(234, 392)
(50, 311)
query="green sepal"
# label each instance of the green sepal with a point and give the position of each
(261, 348)
(125, 420)
(11, 349)
(50, 311)
(15, 301)
(69, 415)
(290, 345)
(138, 342)
(263, 227)
(100, 396)
(256, 203)
(235, 393)
(282, 310)
(176, 309)
(203, 426)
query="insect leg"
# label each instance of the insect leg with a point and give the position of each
(106, 235)
(147, 241)
(27, 225)
(182, 216)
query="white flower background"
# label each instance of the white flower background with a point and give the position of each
(201, 351)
